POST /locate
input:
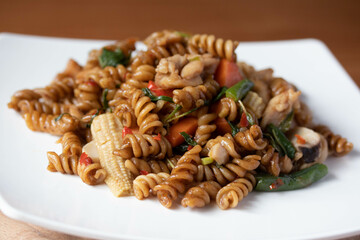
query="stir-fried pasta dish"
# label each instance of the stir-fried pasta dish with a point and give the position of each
(182, 119)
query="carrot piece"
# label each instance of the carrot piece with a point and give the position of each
(227, 73)
(188, 125)
(222, 126)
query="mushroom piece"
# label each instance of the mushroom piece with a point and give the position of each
(91, 150)
(311, 144)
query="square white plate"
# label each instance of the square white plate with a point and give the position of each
(28, 192)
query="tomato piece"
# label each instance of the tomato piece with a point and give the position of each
(92, 83)
(300, 139)
(144, 172)
(189, 147)
(85, 159)
(158, 137)
(159, 91)
(188, 125)
(227, 73)
(243, 121)
(126, 131)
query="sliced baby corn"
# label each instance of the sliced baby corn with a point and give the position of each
(106, 130)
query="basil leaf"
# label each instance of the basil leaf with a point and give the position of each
(172, 114)
(239, 90)
(221, 93)
(112, 58)
(92, 118)
(181, 149)
(286, 123)
(234, 129)
(281, 140)
(60, 116)
(154, 98)
(188, 139)
(104, 100)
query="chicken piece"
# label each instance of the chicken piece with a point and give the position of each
(182, 71)
(279, 107)
(219, 154)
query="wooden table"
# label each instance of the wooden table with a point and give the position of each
(337, 23)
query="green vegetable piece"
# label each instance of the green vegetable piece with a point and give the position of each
(112, 58)
(181, 149)
(92, 118)
(239, 90)
(60, 116)
(182, 34)
(234, 129)
(170, 163)
(104, 100)
(154, 98)
(250, 119)
(296, 180)
(197, 58)
(188, 139)
(281, 140)
(274, 143)
(221, 93)
(286, 123)
(172, 114)
(207, 160)
(183, 114)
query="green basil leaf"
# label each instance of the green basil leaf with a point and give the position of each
(234, 128)
(188, 139)
(60, 116)
(112, 58)
(286, 123)
(154, 98)
(239, 90)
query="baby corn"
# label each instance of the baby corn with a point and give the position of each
(106, 130)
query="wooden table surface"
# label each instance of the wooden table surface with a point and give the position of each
(337, 23)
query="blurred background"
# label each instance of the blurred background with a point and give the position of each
(335, 22)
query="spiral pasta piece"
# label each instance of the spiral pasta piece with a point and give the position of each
(53, 108)
(230, 195)
(91, 174)
(201, 195)
(228, 172)
(147, 121)
(108, 77)
(43, 122)
(137, 165)
(87, 96)
(59, 89)
(251, 139)
(227, 142)
(272, 163)
(338, 146)
(218, 47)
(124, 112)
(228, 109)
(205, 128)
(144, 145)
(154, 54)
(25, 94)
(181, 175)
(190, 97)
(143, 184)
(62, 163)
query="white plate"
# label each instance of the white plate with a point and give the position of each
(28, 192)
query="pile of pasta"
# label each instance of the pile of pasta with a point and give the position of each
(182, 119)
